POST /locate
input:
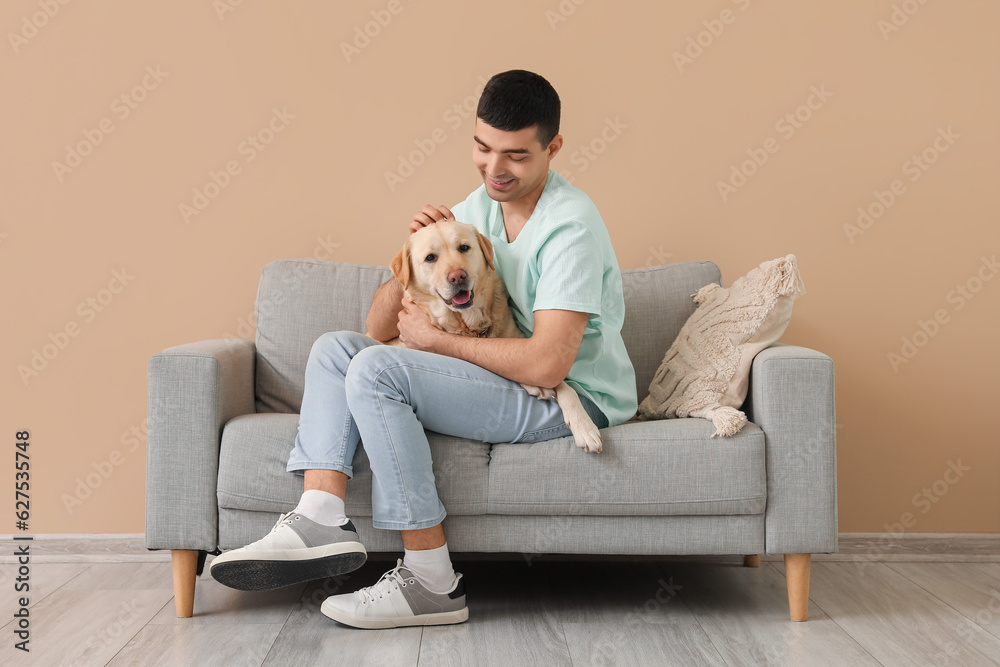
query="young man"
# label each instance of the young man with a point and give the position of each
(554, 255)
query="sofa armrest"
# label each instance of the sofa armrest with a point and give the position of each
(194, 390)
(791, 398)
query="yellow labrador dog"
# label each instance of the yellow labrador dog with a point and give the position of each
(447, 270)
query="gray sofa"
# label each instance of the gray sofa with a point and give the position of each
(223, 418)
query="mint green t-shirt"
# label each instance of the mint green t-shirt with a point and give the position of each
(563, 259)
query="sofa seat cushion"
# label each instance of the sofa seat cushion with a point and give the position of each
(255, 450)
(665, 467)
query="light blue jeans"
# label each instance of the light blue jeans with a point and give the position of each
(357, 389)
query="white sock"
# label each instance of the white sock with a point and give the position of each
(322, 507)
(432, 567)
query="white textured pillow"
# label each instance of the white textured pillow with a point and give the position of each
(706, 371)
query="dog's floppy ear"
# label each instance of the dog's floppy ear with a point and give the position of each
(400, 265)
(486, 247)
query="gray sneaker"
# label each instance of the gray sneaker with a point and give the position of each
(296, 550)
(398, 600)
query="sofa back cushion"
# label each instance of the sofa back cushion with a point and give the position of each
(657, 304)
(298, 300)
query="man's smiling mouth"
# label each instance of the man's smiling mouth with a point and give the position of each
(499, 184)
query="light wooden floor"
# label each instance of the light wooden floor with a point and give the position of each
(548, 612)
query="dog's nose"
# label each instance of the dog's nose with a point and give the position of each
(456, 276)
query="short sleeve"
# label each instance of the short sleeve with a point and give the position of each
(570, 270)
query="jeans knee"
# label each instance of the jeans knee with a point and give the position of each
(335, 342)
(369, 366)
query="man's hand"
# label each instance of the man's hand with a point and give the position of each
(415, 329)
(428, 215)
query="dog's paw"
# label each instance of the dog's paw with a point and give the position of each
(588, 438)
(541, 393)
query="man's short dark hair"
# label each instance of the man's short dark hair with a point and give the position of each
(517, 99)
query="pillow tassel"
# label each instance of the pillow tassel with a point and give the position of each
(781, 279)
(728, 421)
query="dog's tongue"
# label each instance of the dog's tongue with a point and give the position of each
(461, 298)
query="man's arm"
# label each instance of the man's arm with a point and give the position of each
(384, 312)
(543, 360)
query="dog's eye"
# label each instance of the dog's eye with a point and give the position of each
(430, 258)
(463, 248)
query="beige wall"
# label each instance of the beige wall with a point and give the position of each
(663, 134)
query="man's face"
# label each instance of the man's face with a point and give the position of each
(513, 164)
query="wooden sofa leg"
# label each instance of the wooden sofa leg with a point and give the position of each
(185, 564)
(797, 578)
(751, 561)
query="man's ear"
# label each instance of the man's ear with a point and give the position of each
(486, 247)
(400, 265)
(554, 146)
